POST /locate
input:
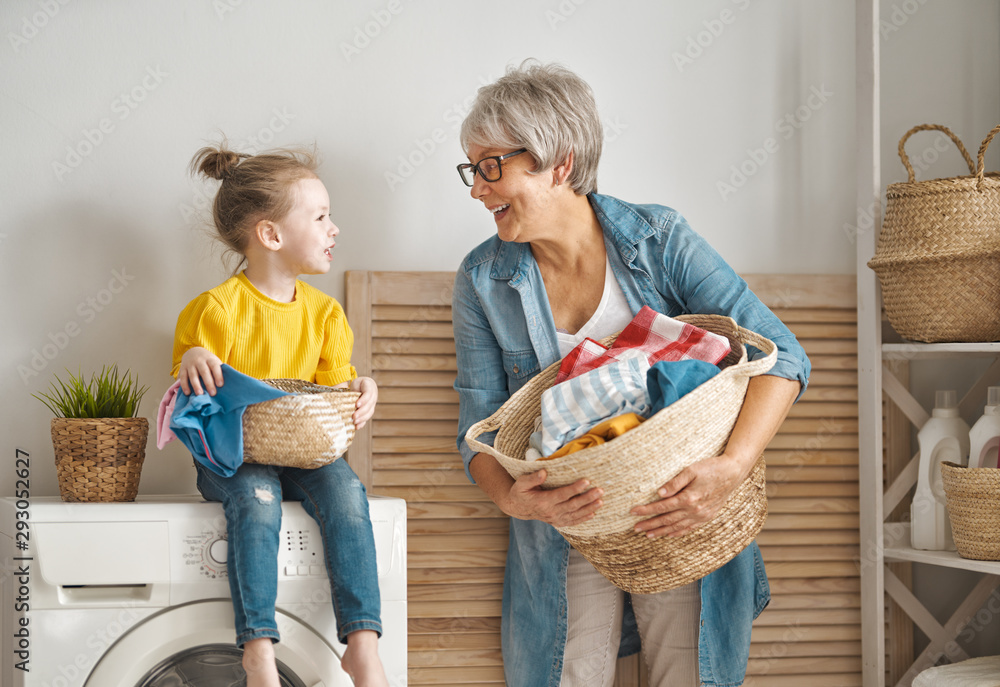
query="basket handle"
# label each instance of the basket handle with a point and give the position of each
(981, 166)
(953, 137)
(757, 367)
(482, 427)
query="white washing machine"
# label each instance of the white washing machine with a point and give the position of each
(136, 595)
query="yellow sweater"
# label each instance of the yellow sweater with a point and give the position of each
(307, 339)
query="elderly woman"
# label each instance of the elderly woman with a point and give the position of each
(567, 264)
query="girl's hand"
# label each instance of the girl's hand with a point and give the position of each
(366, 404)
(561, 507)
(200, 365)
(693, 497)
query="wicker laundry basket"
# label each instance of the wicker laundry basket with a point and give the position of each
(308, 429)
(938, 255)
(632, 467)
(973, 499)
(99, 459)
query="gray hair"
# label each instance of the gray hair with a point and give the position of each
(545, 108)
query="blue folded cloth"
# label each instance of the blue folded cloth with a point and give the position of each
(211, 427)
(668, 381)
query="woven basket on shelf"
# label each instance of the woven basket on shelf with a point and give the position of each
(308, 429)
(938, 255)
(99, 459)
(632, 467)
(973, 499)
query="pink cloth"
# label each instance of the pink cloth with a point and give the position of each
(658, 336)
(164, 435)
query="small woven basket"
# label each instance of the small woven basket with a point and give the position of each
(938, 255)
(973, 499)
(632, 467)
(308, 429)
(99, 459)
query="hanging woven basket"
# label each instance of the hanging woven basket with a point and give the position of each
(938, 254)
(99, 459)
(307, 429)
(631, 468)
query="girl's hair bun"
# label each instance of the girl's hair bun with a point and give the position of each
(215, 163)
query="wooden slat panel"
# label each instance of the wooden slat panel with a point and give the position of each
(480, 509)
(440, 411)
(461, 542)
(811, 569)
(417, 428)
(451, 657)
(396, 346)
(455, 576)
(423, 289)
(410, 313)
(419, 397)
(468, 640)
(412, 330)
(771, 649)
(436, 625)
(771, 537)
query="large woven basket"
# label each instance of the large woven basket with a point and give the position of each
(308, 429)
(99, 459)
(973, 499)
(938, 255)
(632, 467)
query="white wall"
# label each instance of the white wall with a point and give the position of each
(690, 91)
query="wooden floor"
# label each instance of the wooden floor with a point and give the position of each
(810, 633)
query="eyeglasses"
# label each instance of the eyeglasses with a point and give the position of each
(488, 168)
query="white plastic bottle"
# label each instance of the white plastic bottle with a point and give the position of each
(985, 434)
(945, 437)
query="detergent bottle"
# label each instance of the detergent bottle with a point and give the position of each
(985, 435)
(945, 437)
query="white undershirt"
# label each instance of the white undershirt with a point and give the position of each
(611, 315)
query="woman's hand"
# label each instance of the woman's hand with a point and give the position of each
(366, 404)
(200, 365)
(561, 507)
(693, 497)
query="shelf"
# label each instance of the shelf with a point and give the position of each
(916, 351)
(900, 532)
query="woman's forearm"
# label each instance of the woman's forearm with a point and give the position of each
(767, 402)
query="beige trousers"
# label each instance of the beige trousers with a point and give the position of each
(668, 626)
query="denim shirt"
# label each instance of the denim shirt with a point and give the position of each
(505, 335)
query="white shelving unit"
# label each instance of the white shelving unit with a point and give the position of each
(882, 541)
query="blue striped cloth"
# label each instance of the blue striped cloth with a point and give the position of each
(574, 407)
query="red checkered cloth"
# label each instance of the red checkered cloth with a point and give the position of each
(658, 336)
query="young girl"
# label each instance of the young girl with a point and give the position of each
(274, 211)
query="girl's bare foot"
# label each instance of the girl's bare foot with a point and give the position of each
(259, 663)
(361, 660)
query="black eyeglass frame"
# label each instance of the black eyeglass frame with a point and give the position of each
(476, 169)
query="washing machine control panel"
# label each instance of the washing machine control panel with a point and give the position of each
(206, 552)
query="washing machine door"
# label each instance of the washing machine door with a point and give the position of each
(192, 646)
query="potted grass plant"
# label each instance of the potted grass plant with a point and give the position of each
(99, 441)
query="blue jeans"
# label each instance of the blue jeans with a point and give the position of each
(335, 498)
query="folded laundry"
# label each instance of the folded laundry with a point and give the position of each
(211, 427)
(653, 334)
(572, 408)
(667, 381)
(600, 434)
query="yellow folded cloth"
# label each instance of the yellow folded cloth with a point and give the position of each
(604, 432)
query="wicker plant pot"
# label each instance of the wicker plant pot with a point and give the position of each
(99, 459)
(631, 468)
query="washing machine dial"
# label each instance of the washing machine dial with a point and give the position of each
(218, 551)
